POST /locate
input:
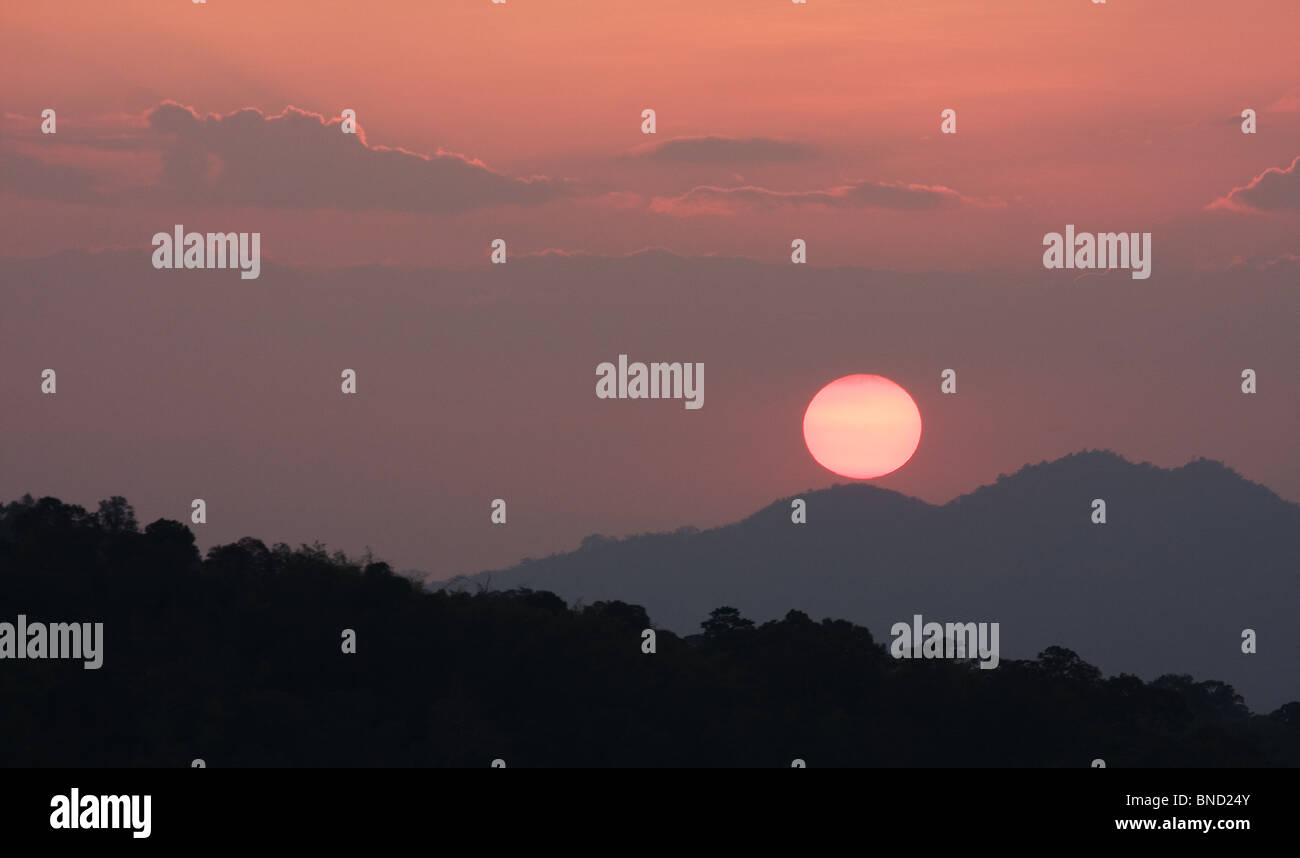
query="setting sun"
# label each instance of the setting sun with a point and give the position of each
(862, 426)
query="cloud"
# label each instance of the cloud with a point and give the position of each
(32, 178)
(707, 199)
(566, 253)
(1286, 262)
(1289, 103)
(300, 160)
(1275, 189)
(726, 150)
(109, 132)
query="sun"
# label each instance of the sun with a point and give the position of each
(862, 426)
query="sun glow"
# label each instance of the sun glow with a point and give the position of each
(862, 426)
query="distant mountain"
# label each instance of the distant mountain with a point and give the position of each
(1187, 559)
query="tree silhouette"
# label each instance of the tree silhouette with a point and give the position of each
(236, 657)
(723, 621)
(116, 515)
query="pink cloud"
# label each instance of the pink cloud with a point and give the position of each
(1275, 189)
(708, 199)
(297, 159)
(726, 150)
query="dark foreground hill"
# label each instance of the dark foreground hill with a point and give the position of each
(1187, 559)
(237, 659)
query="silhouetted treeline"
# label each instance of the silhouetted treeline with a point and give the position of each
(237, 659)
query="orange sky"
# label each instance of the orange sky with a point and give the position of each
(522, 121)
(1116, 114)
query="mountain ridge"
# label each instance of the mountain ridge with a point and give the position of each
(1187, 559)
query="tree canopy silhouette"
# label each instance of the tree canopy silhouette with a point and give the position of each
(236, 657)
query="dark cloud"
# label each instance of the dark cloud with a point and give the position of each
(114, 132)
(707, 199)
(301, 160)
(30, 177)
(727, 150)
(1275, 189)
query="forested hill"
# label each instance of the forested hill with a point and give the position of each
(238, 659)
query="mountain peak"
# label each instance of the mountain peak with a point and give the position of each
(1146, 591)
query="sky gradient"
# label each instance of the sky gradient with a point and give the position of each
(775, 121)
